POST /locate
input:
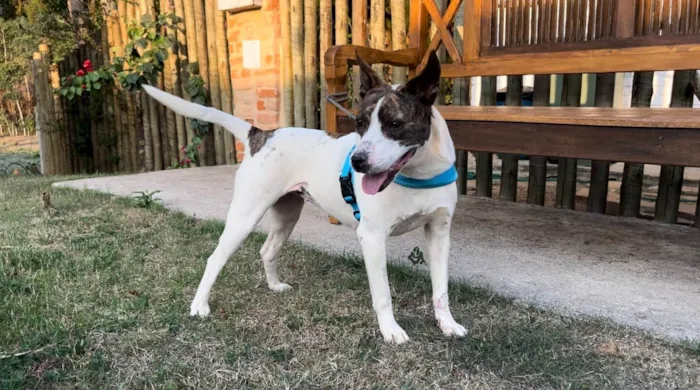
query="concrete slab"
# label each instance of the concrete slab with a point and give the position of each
(636, 272)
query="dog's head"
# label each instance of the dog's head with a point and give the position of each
(392, 123)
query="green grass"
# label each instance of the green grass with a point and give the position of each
(99, 290)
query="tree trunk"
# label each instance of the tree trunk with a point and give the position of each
(297, 22)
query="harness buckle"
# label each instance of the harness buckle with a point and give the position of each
(346, 189)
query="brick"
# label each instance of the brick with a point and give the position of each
(271, 5)
(267, 118)
(268, 104)
(266, 92)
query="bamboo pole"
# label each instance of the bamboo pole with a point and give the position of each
(170, 128)
(110, 102)
(206, 154)
(633, 174)
(359, 38)
(297, 22)
(192, 52)
(377, 30)
(398, 35)
(287, 71)
(179, 76)
(225, 84)
(124, 129)
(341, 22)
(310, 63)
(214, 82)
(325, 42)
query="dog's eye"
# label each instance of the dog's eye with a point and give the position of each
(396, 124)
(358, 122)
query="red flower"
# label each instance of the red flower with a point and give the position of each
(80, 72)
(83, 86)
(188, 161)
(87, 64)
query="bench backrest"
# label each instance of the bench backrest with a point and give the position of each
(517, 37)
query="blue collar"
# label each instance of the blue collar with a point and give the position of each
(347, 188)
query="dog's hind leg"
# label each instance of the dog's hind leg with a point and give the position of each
(437, 234)
(284, 215)
(247, 208)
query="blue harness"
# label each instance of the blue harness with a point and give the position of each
(348, 191)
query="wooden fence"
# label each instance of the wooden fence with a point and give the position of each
(129, 132)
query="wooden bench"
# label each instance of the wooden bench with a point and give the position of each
(523, 37)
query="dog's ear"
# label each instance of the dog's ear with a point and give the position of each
(369, 79)
(425, 86)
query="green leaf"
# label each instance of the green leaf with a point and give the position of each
(93, 76)
(142, 43)
(132, 78)
(97, 86)
(63, 91)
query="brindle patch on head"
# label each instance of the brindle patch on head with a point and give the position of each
(404, 119)
(367, 106)
(257, 138)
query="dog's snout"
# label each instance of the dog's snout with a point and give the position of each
(359, 162)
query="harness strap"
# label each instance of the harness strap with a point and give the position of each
(346, 185)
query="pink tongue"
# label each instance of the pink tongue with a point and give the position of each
(372, 183)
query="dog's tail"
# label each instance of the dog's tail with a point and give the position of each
(238, 127)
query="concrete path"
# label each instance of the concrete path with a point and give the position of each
(636, 272)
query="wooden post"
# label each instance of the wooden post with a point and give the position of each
(325, 42)
(341, 22)
(537, 176)
(311, 63)
(297, 23)
(633, 174)
(600, 170)
(214, 85)
(460, 86)
(192, 50)
(567, 167)
(287, 72)
(49, 126)
(671, 177)
(509, 162)
(484, 160)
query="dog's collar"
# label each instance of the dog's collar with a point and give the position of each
(348, 190)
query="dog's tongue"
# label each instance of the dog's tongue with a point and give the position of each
(372, 183)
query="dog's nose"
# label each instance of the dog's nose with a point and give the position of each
(359, 162)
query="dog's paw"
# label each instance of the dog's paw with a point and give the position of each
(200, 309)
(279, 287)
(393, 334)
(451, 328)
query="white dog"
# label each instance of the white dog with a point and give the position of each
(398, 130)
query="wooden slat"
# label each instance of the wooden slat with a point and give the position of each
(537, 178)
(600, 170)
(509, 163)
(633, 174)
(647, 18)
(589, 61)
(665, 19)
(472, 29)
(484, 159)
(598, 116)
(567, 168)
(625, 19)
(441, 24)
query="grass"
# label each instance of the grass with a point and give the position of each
(97, 292)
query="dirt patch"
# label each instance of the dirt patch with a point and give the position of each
(28, 144)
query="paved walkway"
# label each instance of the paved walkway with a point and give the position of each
(635, 272)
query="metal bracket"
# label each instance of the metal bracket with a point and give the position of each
(337, 98)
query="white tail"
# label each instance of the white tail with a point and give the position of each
(238, 127)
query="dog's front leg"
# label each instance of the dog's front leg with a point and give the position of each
(374, 253)
(437, 234)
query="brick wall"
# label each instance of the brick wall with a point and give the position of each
(256, 91)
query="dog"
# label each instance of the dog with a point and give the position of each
(398, 130)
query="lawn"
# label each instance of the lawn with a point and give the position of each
(95, 294)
